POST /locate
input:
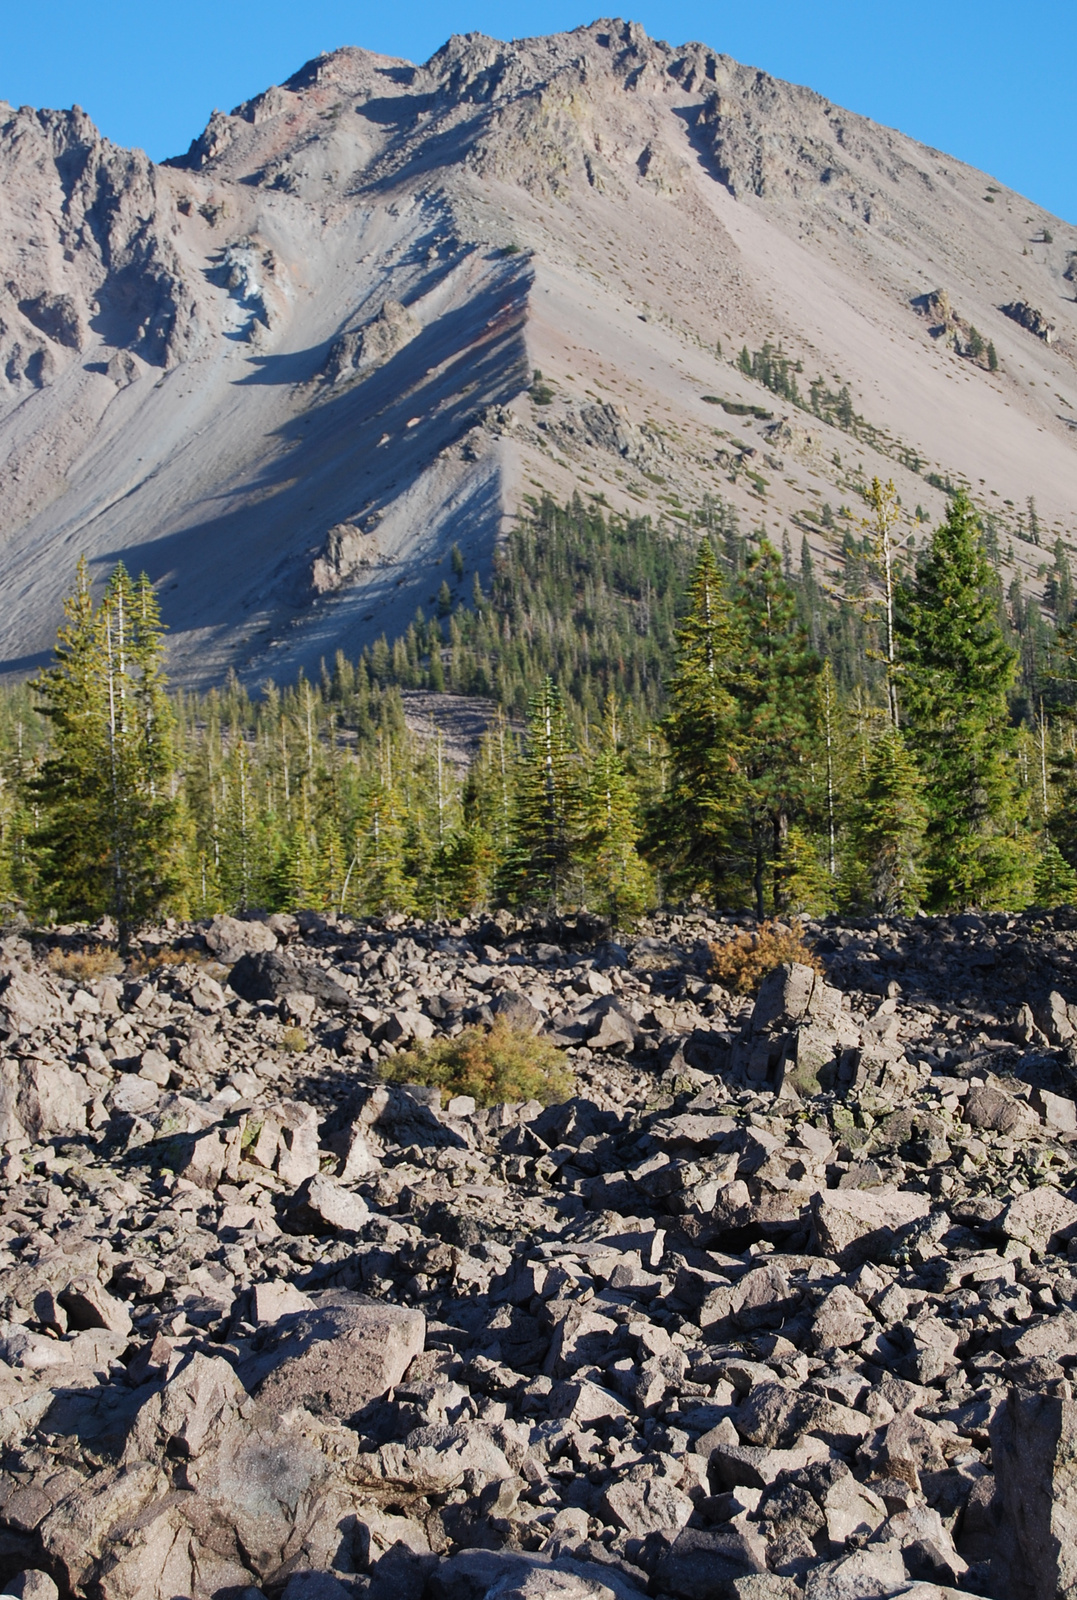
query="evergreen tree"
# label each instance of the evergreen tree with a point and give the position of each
(376, 880)
(617, 879)
(109, 817)
(240, 864)
(692, 826)
(958, 671)
(1054, 881)
(887, 826)
(545, 807)
(72, 852)
(778, 714)
(805, 885)
(883, 500)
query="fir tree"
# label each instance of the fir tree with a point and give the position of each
(693, 824)
(617, 879)
(958, 673)
(70, 842)
(804, 883)
(1054, 881)
(887, 826)
(545, 807)
(110, 819)
(882, 498)
(778, 714)
(376, 880)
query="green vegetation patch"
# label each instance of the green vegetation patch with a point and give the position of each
(494, 1066)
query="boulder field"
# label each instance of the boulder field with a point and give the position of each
(780, 1303)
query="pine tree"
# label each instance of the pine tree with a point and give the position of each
(887, 826)
(239, 858)
(69, 840)
(804, 883)
(778, 713)
(109, 817)
(376, 880)
(617, 880)
(1054, 881)
(692, 826)
(958, 671)
(886, 514)
(545, 805)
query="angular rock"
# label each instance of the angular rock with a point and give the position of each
(228, 939)
(1034, 1451)
(271, 975)
(336, 1359)
(858, 1225)
(321, 1206)
(26, 1000)
(1041, 1218)
(702, 1562)
(89, 1305)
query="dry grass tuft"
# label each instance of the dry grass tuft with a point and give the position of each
(145, 965)
(293, 1041)
(493, 1066)
(84, 966)
(743, 962)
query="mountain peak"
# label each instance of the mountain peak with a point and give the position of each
(287, 371)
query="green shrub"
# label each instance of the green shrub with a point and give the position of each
(493, 1066)
(294, 1041)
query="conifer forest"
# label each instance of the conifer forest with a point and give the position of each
(674, 711)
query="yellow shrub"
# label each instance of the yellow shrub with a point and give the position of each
(743, 962)
(494, 1066)
(294, 1041)
(149, 963)
(83, 966)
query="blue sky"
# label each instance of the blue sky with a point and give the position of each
(991, 83)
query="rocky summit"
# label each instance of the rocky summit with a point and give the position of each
(373, 309)
(780, 1302)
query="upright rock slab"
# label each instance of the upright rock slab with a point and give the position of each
(1034, 1449)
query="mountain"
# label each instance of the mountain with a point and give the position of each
(371, 310)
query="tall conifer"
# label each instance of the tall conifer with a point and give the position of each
(617, 879)
(778, 714)
(694, 820)
(108, 834)
(545, 806)
(887, 826)
(957, 674)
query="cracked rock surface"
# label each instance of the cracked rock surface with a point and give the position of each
(782, 1302)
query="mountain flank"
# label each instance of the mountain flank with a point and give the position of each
(370, 310)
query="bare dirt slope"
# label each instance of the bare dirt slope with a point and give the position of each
(285, 373)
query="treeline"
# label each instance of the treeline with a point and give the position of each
(673, 713)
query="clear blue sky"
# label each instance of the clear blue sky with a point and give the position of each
(991, 83)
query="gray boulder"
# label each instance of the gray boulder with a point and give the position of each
(270, 975)
(337, 1358)
(228, 938)
(1034, 1450)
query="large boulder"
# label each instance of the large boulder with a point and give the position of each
(270, 975)
(321, 1206)
(1034, 1450)
(336, 1359)
(228, 939)
(858, 1225)
(1041, 1218)
(26, 1000)
(41, 1098)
